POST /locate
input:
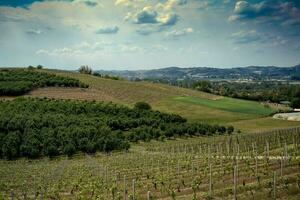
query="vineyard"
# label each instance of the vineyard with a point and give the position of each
(240, 166)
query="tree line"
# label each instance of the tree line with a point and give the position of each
(35, 127)
(275, 92)
(15, 82)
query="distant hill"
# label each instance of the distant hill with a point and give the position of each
(176, 73)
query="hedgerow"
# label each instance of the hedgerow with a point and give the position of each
(15, 82)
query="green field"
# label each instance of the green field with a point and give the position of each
(229, 104)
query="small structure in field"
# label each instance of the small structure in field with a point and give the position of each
(285, 103)
(295, 116)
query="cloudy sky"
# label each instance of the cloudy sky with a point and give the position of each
(144, 34)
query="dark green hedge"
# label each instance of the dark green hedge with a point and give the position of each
(15, 82)
(43, 127)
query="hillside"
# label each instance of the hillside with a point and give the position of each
(193, 105)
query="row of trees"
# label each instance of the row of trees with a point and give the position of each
(85, 69)
(20, 81)
(43, 127)
(106, 76)
(262, 91)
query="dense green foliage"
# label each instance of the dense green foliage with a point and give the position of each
(142, 105)
(12, 88)
(296, 77)
(36, 127)
(19, 81)
(259, 91)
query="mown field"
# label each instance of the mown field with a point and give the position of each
(191, 104)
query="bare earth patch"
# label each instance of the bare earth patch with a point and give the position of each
(71, 93)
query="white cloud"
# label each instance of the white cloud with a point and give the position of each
(168, 19)
(255, 37)
(91, 48)
(171, 4)
(124, 2)
(148, 15)
(108, 30)
(34, 32)
(180, 33)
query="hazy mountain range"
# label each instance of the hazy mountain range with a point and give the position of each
(177, 73)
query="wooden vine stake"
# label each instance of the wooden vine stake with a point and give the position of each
(125, 195)
(235, 182)
(274, 185)
(42, 195)
(133, 189)
(178, 168)
(256, 166)
(106, 174)
(268, 149)
(210, 181)
(12, 195)
(148, 195)
(281, 166)
(285, 151)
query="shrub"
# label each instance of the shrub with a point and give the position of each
(295, 103)
(142, 106)
(230, 129)
(11, 144)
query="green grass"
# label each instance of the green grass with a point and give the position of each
(229, 104)
(263, 124)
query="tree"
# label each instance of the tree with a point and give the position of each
(39, 67)
(10, 146)
(69, 149)
(230, 129)
(204, 86)
(84, 69)
(142, 106)
(295, 103)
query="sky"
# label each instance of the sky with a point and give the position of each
(147, 34)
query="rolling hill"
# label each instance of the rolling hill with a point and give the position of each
(177, 73)
(194, 105)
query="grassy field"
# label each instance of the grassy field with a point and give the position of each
(229, 104)
(193, 105)
(263, 124)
